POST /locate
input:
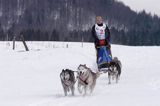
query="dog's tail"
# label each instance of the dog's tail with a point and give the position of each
(119, 69)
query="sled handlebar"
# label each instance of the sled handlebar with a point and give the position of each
(103, 46)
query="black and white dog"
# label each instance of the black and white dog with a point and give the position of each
(86, 79)
(114, 70)
(68, 81)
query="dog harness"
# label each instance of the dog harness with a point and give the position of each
(67, 82)
(84, 81)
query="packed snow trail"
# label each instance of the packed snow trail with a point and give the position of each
(32, 78)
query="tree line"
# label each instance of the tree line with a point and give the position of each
(72, 20)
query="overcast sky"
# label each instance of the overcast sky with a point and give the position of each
(152, 6)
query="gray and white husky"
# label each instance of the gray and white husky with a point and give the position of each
(115, 70)
(68, 81)
(86, 79)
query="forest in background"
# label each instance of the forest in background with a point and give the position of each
(72, 20)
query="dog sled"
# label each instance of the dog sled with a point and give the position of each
(104, 58)
(105, 61)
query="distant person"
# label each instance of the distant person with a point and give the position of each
(101, 35)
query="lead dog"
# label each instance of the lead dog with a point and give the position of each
(68, 81)
(115, 70)
(86, 79)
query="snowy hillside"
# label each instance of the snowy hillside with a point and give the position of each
(32, 78)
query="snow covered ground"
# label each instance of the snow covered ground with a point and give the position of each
(32, 78)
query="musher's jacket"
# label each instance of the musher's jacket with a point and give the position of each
(101, 34)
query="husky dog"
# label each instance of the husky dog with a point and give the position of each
(115, 70)
(68, 81)
(86, 79)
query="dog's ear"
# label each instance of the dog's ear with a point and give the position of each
(80, 65)
(63, 70)
(67, 69)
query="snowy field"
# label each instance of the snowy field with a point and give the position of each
(32, 78)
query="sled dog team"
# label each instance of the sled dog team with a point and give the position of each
(86, 78)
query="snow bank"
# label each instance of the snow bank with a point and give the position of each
(32, 78)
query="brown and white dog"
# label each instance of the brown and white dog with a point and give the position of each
(86, 79)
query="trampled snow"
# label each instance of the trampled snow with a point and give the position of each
(32, 78)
